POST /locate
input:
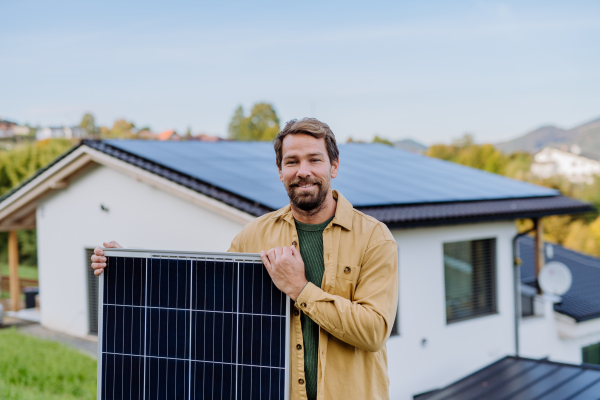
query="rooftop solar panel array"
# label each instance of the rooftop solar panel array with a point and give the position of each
(370, 174)
(191, 326)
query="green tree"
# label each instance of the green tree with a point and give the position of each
(237, 124)
(121, 129)
(378, 139)
(261, 125)
(88, 122)
(16, 166)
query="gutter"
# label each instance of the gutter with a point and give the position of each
(517, 281)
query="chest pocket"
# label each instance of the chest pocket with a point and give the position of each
(346, 277)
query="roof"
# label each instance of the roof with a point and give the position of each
(582, 301)
(166, 135)
(385, 175)
(399, 188)
(515, 378)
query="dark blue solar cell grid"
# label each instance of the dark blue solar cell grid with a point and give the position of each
(191, 329)
(387, 175)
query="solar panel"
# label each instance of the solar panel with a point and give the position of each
(387, 175)
(191, 325)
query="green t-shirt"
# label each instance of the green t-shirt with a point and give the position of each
(311, 250)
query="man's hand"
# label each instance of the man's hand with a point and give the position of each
(286, 268)
(98, 259)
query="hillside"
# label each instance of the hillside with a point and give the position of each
(587, 136)
(410, 145)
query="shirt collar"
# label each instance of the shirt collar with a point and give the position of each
(343, 212)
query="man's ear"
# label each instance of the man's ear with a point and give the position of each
(280, 174)
(334, 168)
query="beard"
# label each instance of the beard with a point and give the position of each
(307, 201)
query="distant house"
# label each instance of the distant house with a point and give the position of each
(6, 125)
(572, 165)
(64, 132)
(203, 137)
(454, 227)
(146, 134)
(10, 129)
(410, 145)
(168, 135)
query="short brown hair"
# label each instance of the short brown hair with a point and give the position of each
(307, 126)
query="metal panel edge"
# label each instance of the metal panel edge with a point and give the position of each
(149, 253)
(286, 385)
(100, 336)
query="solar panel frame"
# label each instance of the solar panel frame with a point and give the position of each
(182, 255)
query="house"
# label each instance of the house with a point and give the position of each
(168, 135)
(53, 132)
(454, 227)
(565, 328)
(572, 165)
(9, 129)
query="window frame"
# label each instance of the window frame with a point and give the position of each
(493, 261)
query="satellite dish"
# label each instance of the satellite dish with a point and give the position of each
(555, 278)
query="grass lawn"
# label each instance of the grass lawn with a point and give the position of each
(36, 369)
(25, 271)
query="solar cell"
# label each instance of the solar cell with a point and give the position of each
(191, 326)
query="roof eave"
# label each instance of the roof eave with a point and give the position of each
(484, 218)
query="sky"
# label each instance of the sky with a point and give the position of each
(426, 70)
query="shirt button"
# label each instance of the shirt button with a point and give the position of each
(301, 381)
(347, 270)
(296, 313)
(303, 305)
(294, 243)
(298, 347)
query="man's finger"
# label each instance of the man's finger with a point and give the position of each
(272, 255)
(287, 252)
(98, 259)
(98, 265)
(278, 251)
(98, 251)
(296, 253)
(265, 259)
(98, 272)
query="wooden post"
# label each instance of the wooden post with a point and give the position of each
(13, 264)
(540, 257)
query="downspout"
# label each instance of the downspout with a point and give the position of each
(517, 281)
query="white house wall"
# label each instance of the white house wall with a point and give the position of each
(556, 336)
(71, 220)
(451, 351)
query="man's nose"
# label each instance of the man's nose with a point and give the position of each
(304, 170)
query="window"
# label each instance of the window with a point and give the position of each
(470, 279)
(93, 284)
(527, 302)
(591, 354)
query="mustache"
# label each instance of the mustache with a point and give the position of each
(303, 181)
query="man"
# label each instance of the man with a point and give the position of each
(338, 265)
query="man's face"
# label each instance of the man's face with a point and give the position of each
(306, 171)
